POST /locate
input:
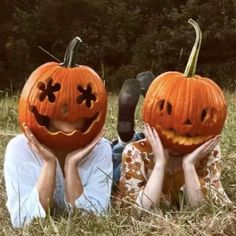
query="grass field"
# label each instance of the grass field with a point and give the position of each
(206, 220)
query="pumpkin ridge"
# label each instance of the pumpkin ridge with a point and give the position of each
(171, 87)
(180, 95)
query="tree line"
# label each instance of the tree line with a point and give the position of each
(121, 38)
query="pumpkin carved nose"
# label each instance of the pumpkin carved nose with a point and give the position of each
(64, 109)
(188, 122)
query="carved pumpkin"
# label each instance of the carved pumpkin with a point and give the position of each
(64, 92)
(185, 109)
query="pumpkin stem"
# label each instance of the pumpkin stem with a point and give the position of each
(71, 52)
(192, 61)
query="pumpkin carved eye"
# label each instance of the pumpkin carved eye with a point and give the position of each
(161, 105)
(169, 108)
(48, 90)
(208, 114)
(87, 96)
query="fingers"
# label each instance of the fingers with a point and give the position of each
(88, 148)
(148, 132)
(27, 131)
(33, 142)
(95, 140)
(156, 136)
(213, 142)
(208, 146)
(29, 135)
(218, 136)
(151, 133)
(152, 137)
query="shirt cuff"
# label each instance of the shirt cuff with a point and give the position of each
(29, 211)
(81, 202)
(35, 205)
(84, 203)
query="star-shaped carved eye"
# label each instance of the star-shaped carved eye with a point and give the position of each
(48, 90)
(86, 95)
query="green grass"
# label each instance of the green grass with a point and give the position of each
(206, 220)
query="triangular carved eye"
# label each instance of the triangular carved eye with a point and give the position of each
(86, 95)
(48, 90)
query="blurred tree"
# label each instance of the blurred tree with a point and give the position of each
(121, 38)
(5, 30)
(168, 39)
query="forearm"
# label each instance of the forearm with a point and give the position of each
(46, 183)
(192, 184)
(151, 193)
(73, 185)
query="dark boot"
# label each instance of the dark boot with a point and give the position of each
(145, 79)
(128, 99)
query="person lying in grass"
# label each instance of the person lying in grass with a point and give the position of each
(36, 180)
(149, 174)
(40, 179)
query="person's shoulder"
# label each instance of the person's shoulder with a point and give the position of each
(104, 143)
(102, 150)
(17, 148)
(18, 141)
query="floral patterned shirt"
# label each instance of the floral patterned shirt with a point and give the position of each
(137, 165)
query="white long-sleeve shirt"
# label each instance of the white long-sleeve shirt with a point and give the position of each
(22, 168)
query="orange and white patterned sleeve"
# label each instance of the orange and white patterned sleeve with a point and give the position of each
(210, 181)
(133, 176)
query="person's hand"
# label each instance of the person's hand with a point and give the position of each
(46, 154)
(73, 184)
(160, 155)
(194, 157)
(78, 155)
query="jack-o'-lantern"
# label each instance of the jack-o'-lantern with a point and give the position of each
(64, 92)
(185, 109)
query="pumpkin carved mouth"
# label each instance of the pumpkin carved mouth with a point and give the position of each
(187, 140)
(45, 121)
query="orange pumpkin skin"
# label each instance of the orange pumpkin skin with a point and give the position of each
(185, 109)
(56, 92)
(186, 112)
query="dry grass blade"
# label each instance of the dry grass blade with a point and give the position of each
(206, 220)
